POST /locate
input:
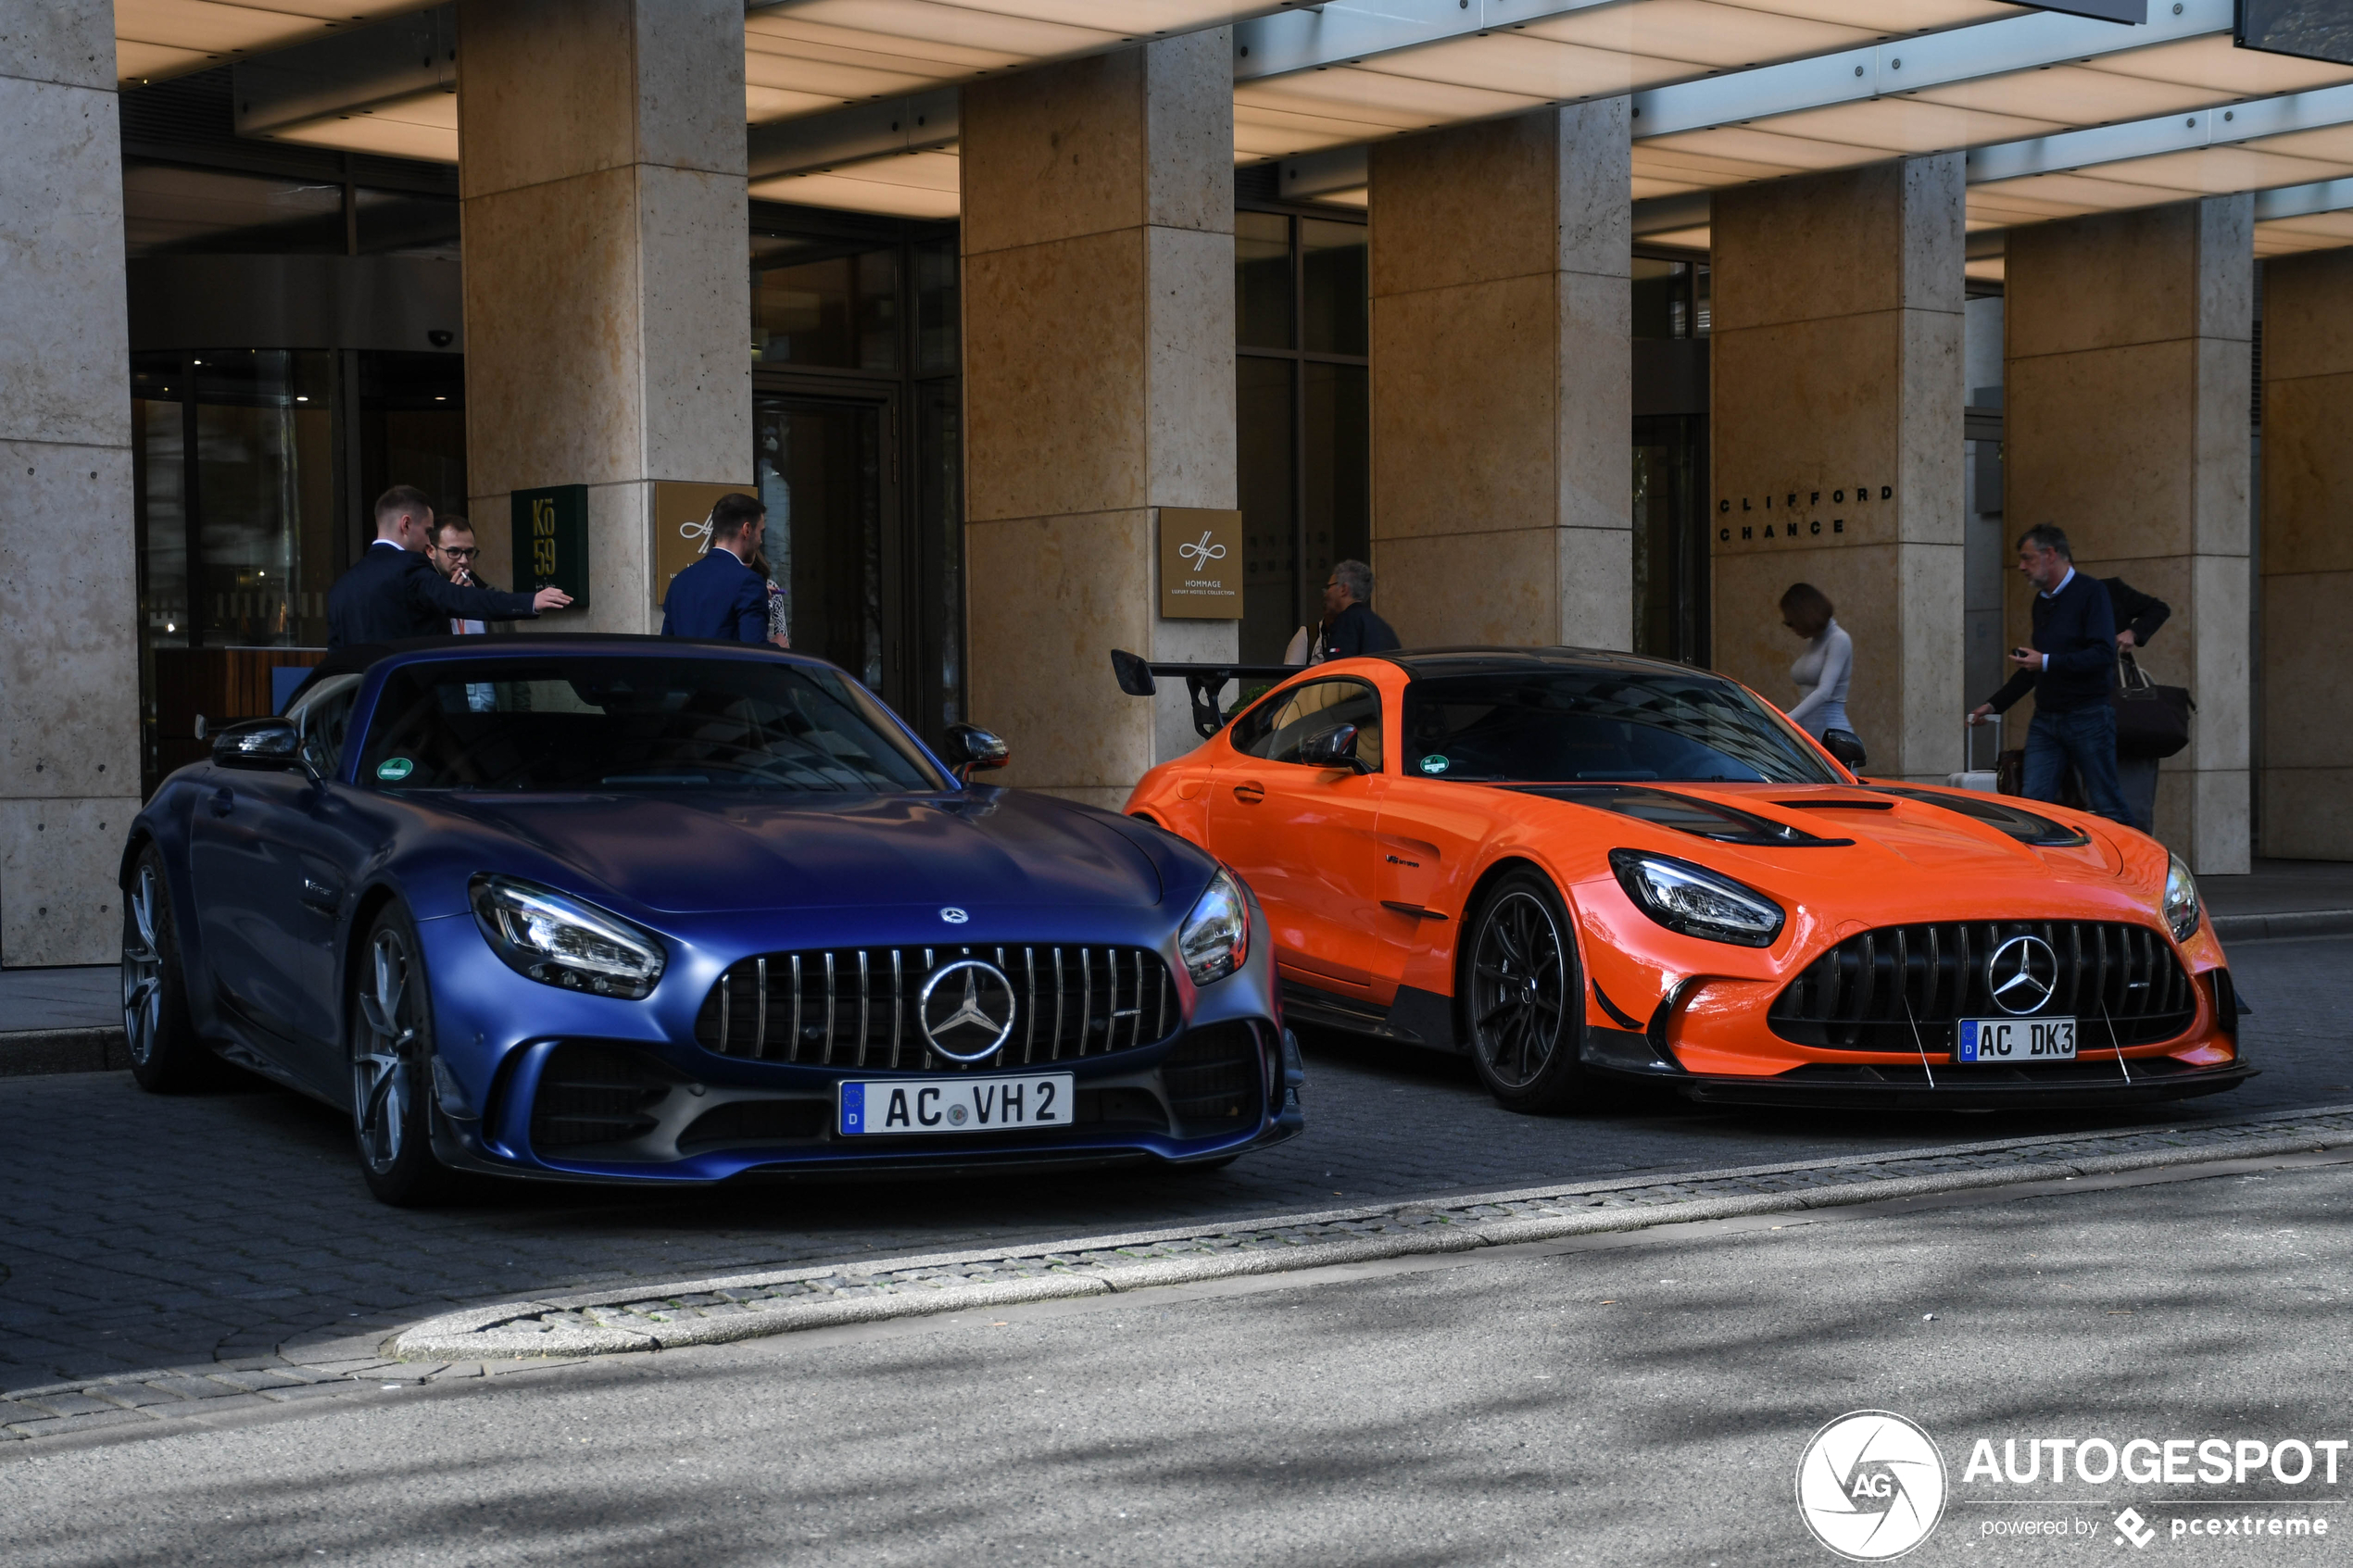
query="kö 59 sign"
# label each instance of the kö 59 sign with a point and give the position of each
(551, 540)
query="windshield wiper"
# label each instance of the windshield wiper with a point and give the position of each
(655, 778)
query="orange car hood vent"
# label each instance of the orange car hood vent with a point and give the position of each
(1702, 818)
(1995, 813)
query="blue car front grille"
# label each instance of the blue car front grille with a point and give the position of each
(856, 1006)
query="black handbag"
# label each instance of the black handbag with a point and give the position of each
(2151, 720)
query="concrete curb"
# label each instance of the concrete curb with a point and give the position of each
(719, 1311)
(2296, 923)
(27, 1052)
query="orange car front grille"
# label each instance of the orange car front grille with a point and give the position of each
(855, 1006)
(1870, 991)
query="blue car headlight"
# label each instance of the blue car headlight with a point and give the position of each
(1696, 901)
(1214, 939)
(559, 940)
(2180, 901)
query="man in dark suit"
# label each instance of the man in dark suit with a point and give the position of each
(2070, 667)
(721, 596)
(392, 591)
(1351, 629)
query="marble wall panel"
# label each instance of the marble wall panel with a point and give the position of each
(1594, 404)
(1464, 420)
(1055, 153)
(1450, 589)
(1189, 124)
(1808, 406)
(2103, 282)
(1595, 156)
(2308, 813)
(1825, 245)
(59, 903)
(2100, 443)
(1594, 607)
(69, 43)
(1191, 441)
(550, 90)
(64, 324)
(1862, 583)
(554, 333)
(1472, 204)
(1055, 376)
(70, 660)
(1927, 719)
(1930, 234)
(1182, 642)
(690, 85)
(1049, 598)
(2307, 330)
(2308, 470)
(1927, 461)
(696, 376)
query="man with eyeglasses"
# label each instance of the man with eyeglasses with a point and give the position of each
(453, 553)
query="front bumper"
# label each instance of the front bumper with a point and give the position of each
(506, 1048)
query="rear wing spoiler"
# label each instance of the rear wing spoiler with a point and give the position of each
(1202, 683)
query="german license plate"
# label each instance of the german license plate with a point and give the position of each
(953, 1105)
(2012, 1040)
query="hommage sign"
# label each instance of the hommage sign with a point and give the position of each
(1821, 515)
(1201, 564)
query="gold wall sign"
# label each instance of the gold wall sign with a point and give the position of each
(1819, 516)
(1201, 564)
(682, 527)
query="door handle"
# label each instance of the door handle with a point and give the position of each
(223, 802)
(1250, 792)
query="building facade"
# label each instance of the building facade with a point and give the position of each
(1585, 321)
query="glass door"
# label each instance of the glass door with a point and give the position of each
(826, 470)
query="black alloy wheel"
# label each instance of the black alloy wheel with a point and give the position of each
(1521, 997)
(166, 1055)
(391, 1017)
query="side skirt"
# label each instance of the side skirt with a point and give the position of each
(1417, 1017)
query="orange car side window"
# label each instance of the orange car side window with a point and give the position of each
(1276, 731)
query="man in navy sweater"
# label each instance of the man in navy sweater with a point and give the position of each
(2070, 670)
(721, 596)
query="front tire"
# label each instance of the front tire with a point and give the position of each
(391, 1023)
(167, 1058)
(1522, 996)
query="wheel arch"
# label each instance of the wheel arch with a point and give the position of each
(1504, 866)
(371, 903)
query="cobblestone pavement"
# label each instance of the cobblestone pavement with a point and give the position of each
(224, 1232)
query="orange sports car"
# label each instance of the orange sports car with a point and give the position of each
(1583, 867)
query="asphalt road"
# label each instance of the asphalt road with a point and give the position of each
(1627, 1400)
(138, 1232)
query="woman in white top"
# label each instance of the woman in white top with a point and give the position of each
(1821, 672)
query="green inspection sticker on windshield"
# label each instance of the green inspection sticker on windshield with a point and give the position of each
(1434, 763)
(391, 770)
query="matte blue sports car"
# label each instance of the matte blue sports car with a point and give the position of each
(629, 908)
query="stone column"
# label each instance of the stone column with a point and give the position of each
(1503, 380)
(608, 278)
(1099, 386)
(2308, 556)
(2125, 422)
(69, 559)
(1835, 418)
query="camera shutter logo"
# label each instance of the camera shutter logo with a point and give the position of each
(967, 1009)
(1871, 1485)
(2023, 975)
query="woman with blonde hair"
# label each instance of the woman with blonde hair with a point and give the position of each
(1821, 672)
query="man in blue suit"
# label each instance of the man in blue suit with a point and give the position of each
(721, 596)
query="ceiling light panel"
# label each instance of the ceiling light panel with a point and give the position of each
(922, 184)
(1698, 31)
(1758, 145)
(154, 38)
(1908, 125)
(2215, 68)
(2073, 93)
(1692, 168)
(2216, 171)
(1884, 18)
(1535, 68)
(1370, 97)
(421, 126)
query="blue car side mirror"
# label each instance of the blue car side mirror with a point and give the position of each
(972, 749)
(263, 743)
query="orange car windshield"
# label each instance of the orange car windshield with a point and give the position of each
(1558, 726)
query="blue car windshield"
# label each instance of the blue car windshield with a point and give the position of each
(518, 723)
(1554, 726)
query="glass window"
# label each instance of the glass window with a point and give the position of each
(1333, 258)
(1262, 280)
(1662, 298)
(1278, 728)
(937, 346)
(840, 313)
(1340, 463)
(641, 723)
(1269, 490)
(265, 533)
(323, 716)
(1614, 725)
(169, 210)
(820, 475)
(401, 224)
(159, 478)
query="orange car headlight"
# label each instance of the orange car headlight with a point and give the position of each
(1696, 901)
(2180, 901)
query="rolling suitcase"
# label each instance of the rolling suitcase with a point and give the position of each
(1986, 781)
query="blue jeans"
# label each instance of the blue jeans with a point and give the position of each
(2086, 738)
